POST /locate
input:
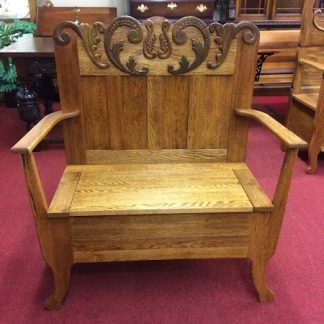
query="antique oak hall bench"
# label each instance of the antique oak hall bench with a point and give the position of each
(155, 119)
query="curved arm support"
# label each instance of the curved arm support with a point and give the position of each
(292, 142)
(34, 185)
(288, 138)
(37, 133)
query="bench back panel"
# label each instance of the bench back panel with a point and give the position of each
(311, 34)
(156, 87)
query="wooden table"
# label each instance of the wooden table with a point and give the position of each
(30, 46)
(29, 50)
(34, 56)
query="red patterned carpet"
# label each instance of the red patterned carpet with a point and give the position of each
(207, 291)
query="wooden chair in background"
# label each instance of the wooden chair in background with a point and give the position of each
(276, 75)
(306, 106)
(155, 120)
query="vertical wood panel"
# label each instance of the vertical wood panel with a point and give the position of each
(167, 109)
(95, 112)
(209, 111)
(155, 105)
(133, 112)
(241, 98)
(68, 77)
(114, 105)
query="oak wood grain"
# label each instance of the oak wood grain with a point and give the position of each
(156, 156)
(68, 78)
(290, 139)
(310, 100)
(161, 254)
(313, 64)
(155, 163)
(209, 113)
(61, 202)
(141, 189)
(167, 115)
(151, 237)
(258, 198)
(95, 113)
(37, 133)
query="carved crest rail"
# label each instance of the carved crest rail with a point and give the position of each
(160, 39)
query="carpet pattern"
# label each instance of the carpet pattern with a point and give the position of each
(194, 291)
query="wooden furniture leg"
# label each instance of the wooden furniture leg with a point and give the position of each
(280, 200)
(61, 263)
(313, 152)
(317, 139)
(53, 235)
(258, 257)
(266, 229)
(258, 275)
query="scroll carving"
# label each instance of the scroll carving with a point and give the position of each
(113, 49)
(91, 39)
(89, 35)
(133, 33)
(317, 20)
(180, 37)
(224, 36)
(61, 37)
(165, 44)
(149, 42)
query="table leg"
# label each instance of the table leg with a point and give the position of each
(27, 105)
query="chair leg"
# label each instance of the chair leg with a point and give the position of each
(61, 276)
(313, 152)
(258, 276)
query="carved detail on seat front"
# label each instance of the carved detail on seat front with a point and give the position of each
(115, 38)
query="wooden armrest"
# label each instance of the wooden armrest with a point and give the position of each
(290, 139)
(37, 133)
(313, 64)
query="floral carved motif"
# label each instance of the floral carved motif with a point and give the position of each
(224, 36)
(171, 37)
(200, 49)
(89, 35)
(149, 50)
(149, 42)
(113, 49)
(165, 44)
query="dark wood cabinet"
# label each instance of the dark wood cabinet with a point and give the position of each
(172, 9)
(266, 14)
